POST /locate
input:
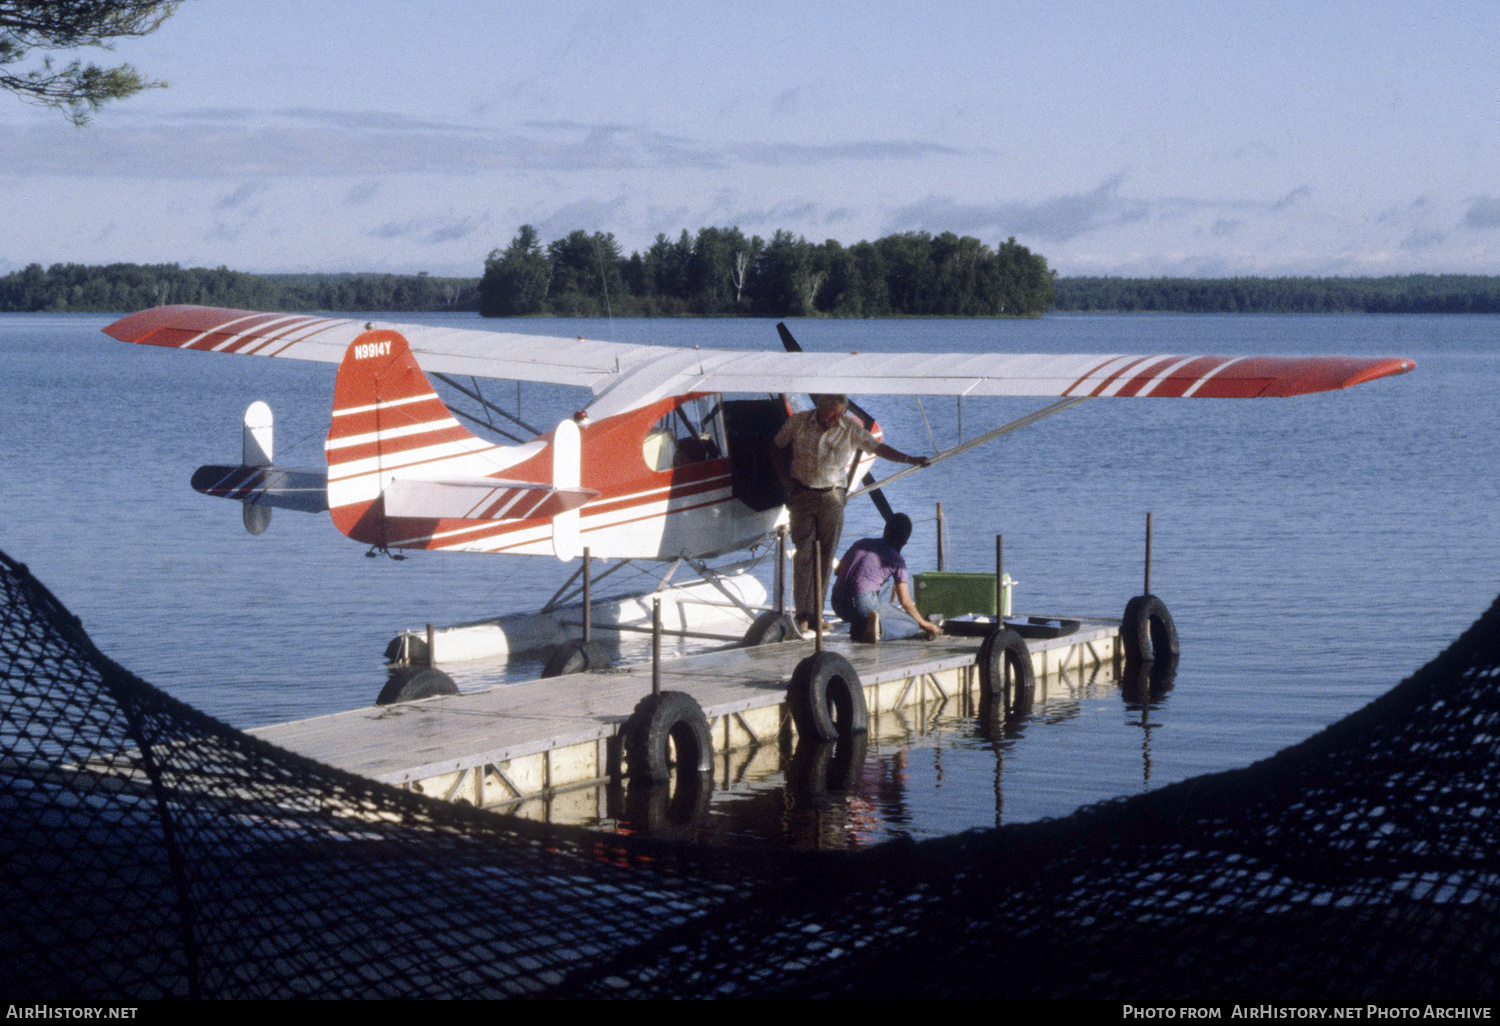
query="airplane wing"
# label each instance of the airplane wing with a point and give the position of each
(625, 376)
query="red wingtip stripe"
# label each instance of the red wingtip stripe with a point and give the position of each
(1333, 372)
(1145, 375)
(1090, 373)
(1116, 375)
(1280, 376)
(209, 327)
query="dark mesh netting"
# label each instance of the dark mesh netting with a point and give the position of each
(152, 851)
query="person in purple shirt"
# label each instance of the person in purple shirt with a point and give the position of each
(863, 571)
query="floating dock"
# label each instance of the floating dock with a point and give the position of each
(543, 747)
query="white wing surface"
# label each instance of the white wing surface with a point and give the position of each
(625, 376)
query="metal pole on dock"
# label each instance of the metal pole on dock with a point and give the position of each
(818, 602)
(588, 597)
(999, 575)
(656, 646)
(781, 571)
(431, 645)
(942, 553)
(1147, 590)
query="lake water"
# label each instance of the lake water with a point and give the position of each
(1313, 551)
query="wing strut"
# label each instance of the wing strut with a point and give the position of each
(487, 405)
(962, 447)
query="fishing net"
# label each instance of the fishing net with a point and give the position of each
(151, 851)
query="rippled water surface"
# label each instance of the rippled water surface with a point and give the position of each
(1314, 551)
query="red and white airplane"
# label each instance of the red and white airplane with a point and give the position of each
(658, 466)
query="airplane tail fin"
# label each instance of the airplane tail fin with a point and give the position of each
(395, 452)
(388, 422)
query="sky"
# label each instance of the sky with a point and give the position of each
(1146, 138)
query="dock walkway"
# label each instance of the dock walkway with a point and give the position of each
(514, 742)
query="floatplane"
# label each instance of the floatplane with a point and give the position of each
(660, 466)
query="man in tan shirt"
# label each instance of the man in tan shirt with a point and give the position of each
(824, 442)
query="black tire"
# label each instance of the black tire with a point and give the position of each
(826, 698)
(824, 771)
(1147, 630)
(577, 657)
(1005, 673)
(770, 628)
(409, 683)
(671, 716)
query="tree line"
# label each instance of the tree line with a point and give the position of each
(1414, 293)
(121, 288)
(721, 272)
(679, 278)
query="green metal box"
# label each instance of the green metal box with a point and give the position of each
(954, 594)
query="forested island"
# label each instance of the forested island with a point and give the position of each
(721, 272)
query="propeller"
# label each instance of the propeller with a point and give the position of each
(876, 495)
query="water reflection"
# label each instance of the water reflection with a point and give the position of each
(1144, 687)
(938, 764)
(673, 811)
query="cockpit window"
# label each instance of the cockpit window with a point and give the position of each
(691, 433)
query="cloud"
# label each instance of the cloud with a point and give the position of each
(222, 232)
(790, 101)
(397, 230)
(1416, 221)
(303, 142)
(669, 219)
(431, 231)
(347, 119)
(786, 214)
(1292, 198)
(782, 154)
(1483, 212)
(581, 215)
(1057, 219)
(1412, 213)
(452, 231)
(1224, 227)
(361, 193)
(240, 196)
(1422, 238)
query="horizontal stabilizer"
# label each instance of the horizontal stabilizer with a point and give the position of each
(480, 498)
(300, 488)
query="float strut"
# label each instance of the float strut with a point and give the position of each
(588, 598)
(656, 646)
(781, 571)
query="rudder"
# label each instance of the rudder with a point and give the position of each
(388, 421)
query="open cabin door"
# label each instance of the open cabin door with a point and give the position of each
(758, 467)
